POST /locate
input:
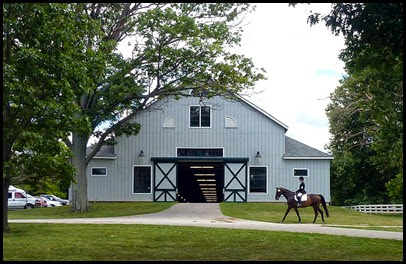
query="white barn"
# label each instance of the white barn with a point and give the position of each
(213, 150)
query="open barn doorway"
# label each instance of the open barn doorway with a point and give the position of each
(200, 182)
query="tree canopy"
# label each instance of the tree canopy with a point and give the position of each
(44, 56)
(178, 47)
(366, 112)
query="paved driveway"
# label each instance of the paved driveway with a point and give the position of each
(209, 215)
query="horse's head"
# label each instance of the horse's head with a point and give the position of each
(278, 193)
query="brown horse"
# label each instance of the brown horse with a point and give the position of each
(312, 200)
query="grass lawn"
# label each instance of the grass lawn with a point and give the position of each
(391, 229)
(102, 209)
(72, 242)
(274, 212)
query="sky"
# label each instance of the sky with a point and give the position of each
(302, 67)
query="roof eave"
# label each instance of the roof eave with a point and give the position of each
(262, 111)
(307, 158)
(101, 157)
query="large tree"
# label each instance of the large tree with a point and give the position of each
(43, 57)
(370, 98)
(355, 179)
(177, 47)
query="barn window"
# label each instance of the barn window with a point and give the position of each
(199, 152)
(142, 179)
(200, 116)
(258, 179)
(300, 172)
(99, 171)
(230, 122)
(169, 122)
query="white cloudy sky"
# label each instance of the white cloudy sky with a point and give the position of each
(302, 67)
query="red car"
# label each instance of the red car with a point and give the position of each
(40, 202)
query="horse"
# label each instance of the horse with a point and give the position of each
(312, 200)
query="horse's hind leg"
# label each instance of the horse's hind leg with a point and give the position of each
(322, 217)
(297, 212)
(287, 211)
(315, 214)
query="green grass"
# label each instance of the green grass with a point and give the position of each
(73, 242)
(101, 209)
(381, 228)
(274, 212)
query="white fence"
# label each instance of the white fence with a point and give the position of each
(378, 208)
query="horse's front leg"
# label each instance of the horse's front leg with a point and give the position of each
(297, 212)
(287, 211)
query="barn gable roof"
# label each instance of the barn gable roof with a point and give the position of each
(105, 151)
(297, 150)
(293, 148)
(250, 104)
(262, 111)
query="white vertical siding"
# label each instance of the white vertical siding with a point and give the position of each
(255, 132)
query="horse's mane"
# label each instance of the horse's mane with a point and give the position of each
(287, 190)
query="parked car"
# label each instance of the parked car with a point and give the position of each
(55, 198)
(18, 198)
(51, 203)
(40, 202)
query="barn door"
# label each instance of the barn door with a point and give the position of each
(235, 182)
(164, 182)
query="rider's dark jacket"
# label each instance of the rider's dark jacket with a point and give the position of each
(301, 188)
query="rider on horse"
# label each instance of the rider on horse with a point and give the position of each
(301, 191)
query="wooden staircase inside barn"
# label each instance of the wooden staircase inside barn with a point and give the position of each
(199, 183)
(206, 180)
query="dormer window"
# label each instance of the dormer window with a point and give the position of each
(200, 116)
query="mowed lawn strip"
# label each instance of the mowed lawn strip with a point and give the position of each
(381, 228)
(73, 242)
(274, 212)
(99, 209)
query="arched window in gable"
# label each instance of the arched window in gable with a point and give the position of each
(169, 122)
(230, 122)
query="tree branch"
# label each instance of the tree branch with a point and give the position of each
(110, 130)
(68, 143)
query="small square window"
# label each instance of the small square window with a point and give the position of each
(205, 116)
(102, 171)
(258, 179)
(200, 116)
(194, 116)
(300, 172)
(142, 179)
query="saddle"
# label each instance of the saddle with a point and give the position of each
(303, 198)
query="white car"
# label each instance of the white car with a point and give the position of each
(52, 203)
(18, 198)
(55, 198)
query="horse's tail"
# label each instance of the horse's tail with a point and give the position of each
(324, 204)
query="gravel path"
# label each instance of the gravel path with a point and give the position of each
(209, 215)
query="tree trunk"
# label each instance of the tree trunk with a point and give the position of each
(6, 184)
(80, 202)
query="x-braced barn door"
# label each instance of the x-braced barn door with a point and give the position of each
(164, 182)
(235, 182)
